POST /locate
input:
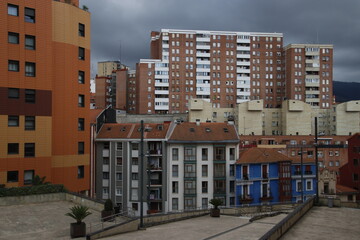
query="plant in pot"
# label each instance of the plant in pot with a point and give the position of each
(216, 202)
(79, 213)
(108, 212)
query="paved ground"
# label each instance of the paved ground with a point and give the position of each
(206, 227)
(38, 221)
(327, 223)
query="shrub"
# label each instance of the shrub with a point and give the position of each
(216, 202)
(32, 190)
(108, 205)
(78, 213)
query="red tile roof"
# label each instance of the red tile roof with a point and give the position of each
(94, 113)
(262, 155)
(341, 189)
(204, 132)
(131, 131)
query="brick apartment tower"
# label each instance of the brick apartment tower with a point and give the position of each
(309, 74)
(44, 93)
(225, 68)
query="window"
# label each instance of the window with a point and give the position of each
(118, 176)
(175, 204)
(204, 187)
(175, 170)
(106, 175)
(81, 124)
(81, 172)
(81, 53)
(13, 93)
(355, 177)
(135, 146)
(81, 30)
(204, 154)
(175, 154)
(232, 153)
(298, 186)
(118, 191)
(13, 148)
(119, 161)
(204, 170)
(134, 161)
(135, 206)
(232, 170)
(13, 121)
(135, 176)
(175, 187)
(309, 185)
(30, 42)
(81, 147)
(30, 95)
(13, 38)
(13, 10)
(106, 160)
(29, 122)
(190, 170)
(29, 150)
(30, 69)
(30, 15)
(81, 100)
(81, 78)
(232, 186)
(204, 203)
(13, 66)
(356, 162)
(28, 176)
(12, 176)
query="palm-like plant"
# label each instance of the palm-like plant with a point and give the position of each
(78, 213)
(216, 202)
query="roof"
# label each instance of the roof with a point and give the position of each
(263, 155)
(132, 131)
(94, 113)
(204, 132)
(341, 189)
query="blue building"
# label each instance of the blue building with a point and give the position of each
(266, 176)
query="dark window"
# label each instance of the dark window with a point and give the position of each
(232, 153)
(13, 66)
(356, 162)
(81, 124)
(81, 53)
(175, 187)
(105, 175)
(13, 148)
(30, 95)
(12, 176)
(30, 42)
(30, 15)
(29, 150)
(355, 177)
(13, 93)
(81, 77)
(81, 147)
(13, 121)
(29, 122)
(28, 177)
(81, 172)
(81, 30)
(30, 69)
(204, 187)
(13, 10)
(13, 38)
(204, 154)
(135, 176)
(81, 100)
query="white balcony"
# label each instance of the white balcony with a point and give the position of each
(202, 77)
(106, 153)
(243, 63)
(165, 38)
(203, 93)
(203, 69)
(202, 54)
(134, 168)
(243, 78)
(162, 92)
(242, 70)
(161, 84)
(162, 69)
(205, 47)
(165, 46)
(240, 40)
(161, 107)
(241, 48)
(105, 168)
(202, 62)
(105, 182)
(203, 39)
(162, 76)
(243, 56)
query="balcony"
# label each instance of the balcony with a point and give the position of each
(266, 198)
(155, 152)
(155, 182)
(247, 199)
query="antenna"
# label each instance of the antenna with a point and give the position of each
(120, 51)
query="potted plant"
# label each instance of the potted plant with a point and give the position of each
(78, 229)
(216, 202)
(108, 212)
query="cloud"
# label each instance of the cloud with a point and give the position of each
(129, 22)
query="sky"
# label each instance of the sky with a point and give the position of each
(121, 28)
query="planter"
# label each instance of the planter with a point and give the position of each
(77, 230)
(215, 212)
(107, 215)
(246, 200)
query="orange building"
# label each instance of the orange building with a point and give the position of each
(44, 93)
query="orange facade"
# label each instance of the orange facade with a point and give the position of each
(44, 104)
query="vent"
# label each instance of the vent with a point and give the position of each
(192, 129)
(226, 130)
(160, 127)
(123, 129)
(207, 129)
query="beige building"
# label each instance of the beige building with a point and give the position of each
(107, 67)
(293, 118)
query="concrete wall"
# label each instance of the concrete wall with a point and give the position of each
(279, 229)
(256, 209)
(129, 226)
(52, 197)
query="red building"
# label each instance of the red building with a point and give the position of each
(350, 172)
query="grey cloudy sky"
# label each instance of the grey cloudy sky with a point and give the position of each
(130, 22)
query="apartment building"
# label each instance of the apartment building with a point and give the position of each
(44, 93)
(222, 67)
(309, 73)
(106, 68)
(118, 166)
(294, 117)
(201, 164)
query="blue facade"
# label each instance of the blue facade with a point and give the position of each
(256, 183)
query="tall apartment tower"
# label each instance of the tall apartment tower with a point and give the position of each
(44, 93)
(309, 74)
(224, 68)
